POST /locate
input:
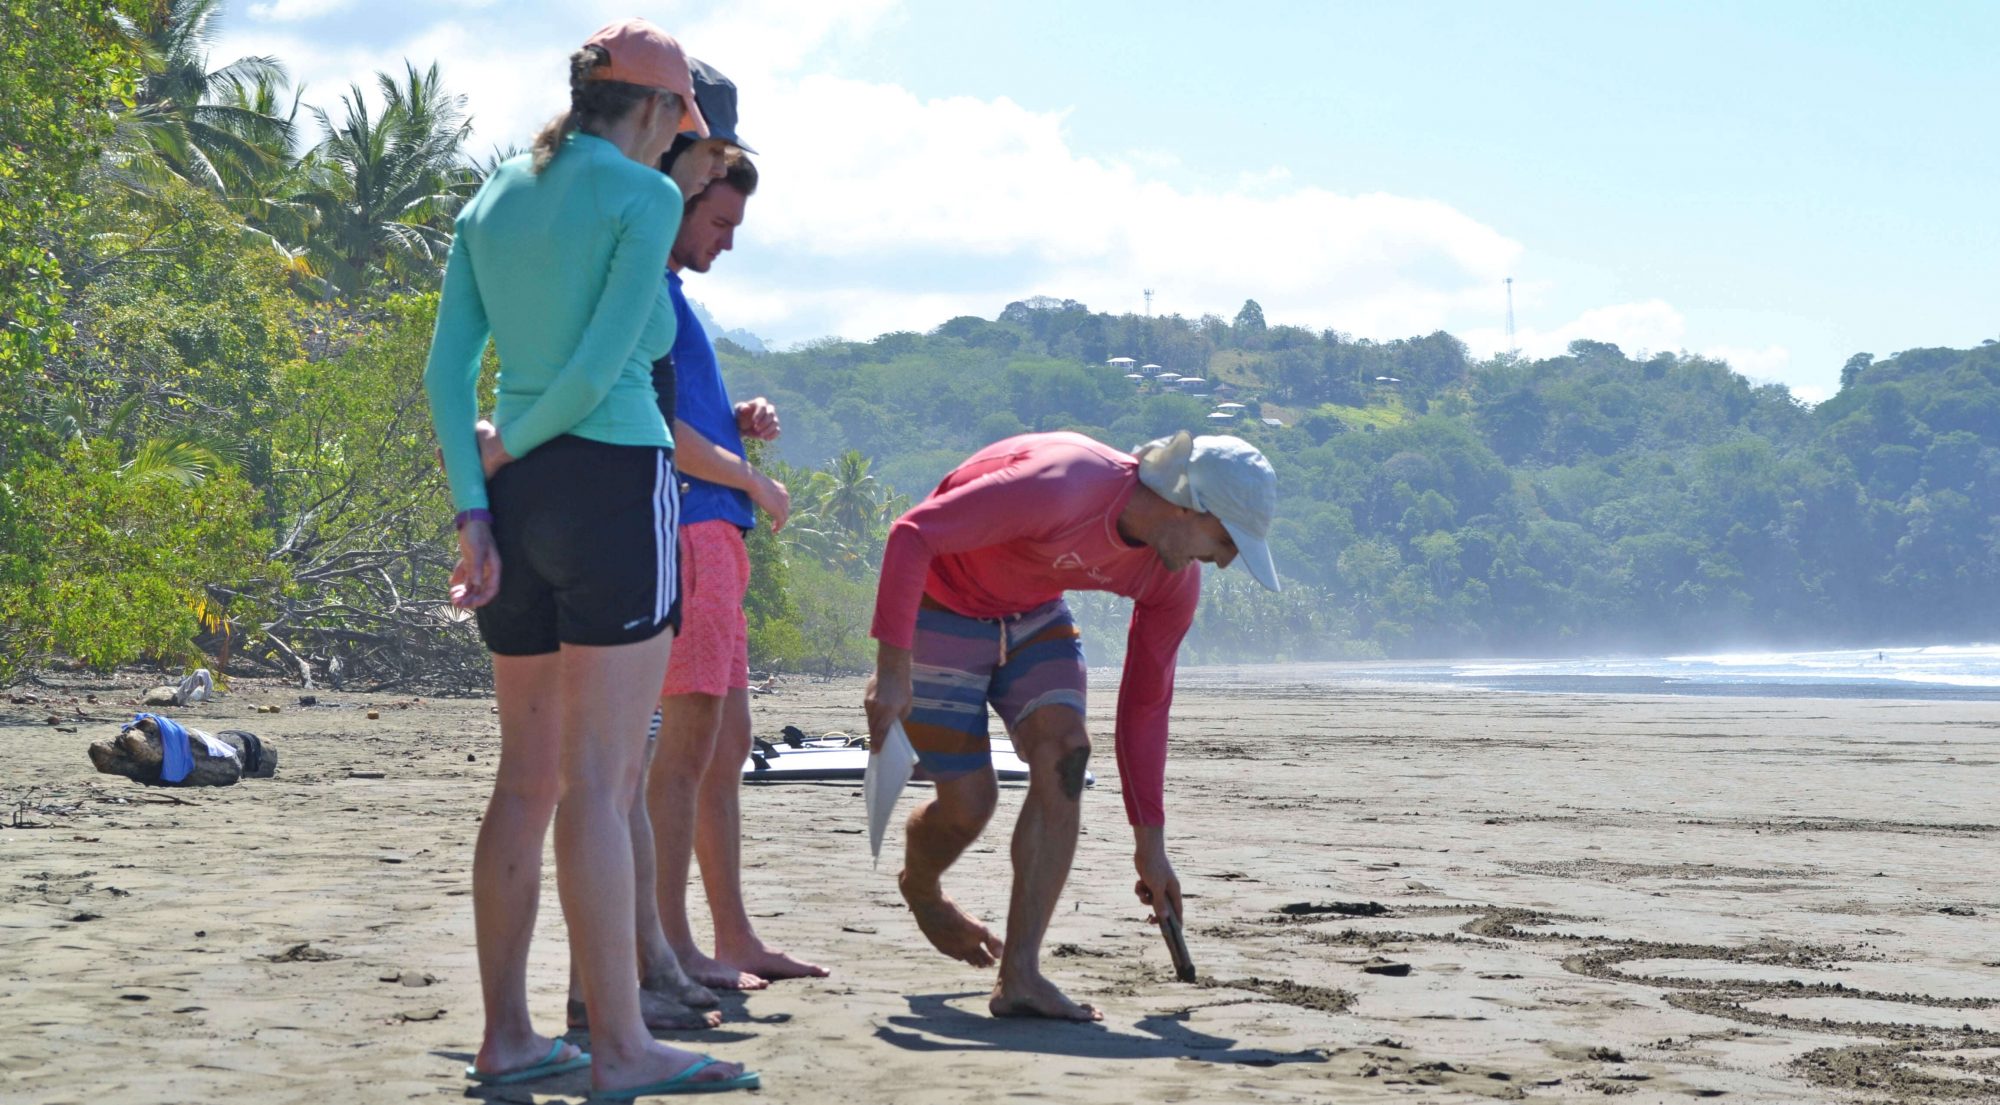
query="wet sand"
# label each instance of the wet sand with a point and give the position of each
(1647, 898)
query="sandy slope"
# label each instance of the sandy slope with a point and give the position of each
(1666, 898)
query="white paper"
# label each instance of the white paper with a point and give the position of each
(888, 772)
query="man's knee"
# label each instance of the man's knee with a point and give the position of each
(732, 729)
(1072, 767)
(1061, 748)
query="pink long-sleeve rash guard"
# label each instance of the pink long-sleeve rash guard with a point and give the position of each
(1018, 524)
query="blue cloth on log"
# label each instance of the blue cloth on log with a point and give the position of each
(174, 743)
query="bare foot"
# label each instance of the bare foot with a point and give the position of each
(950, 930)
(1038, 997)
(662, 1014)
(655, 1064)
(770, 964)
(496, 1059)
(721, 976)
(675, 985)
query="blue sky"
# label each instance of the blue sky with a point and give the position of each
(1780, 184)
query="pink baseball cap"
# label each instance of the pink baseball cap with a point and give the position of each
(643, 54)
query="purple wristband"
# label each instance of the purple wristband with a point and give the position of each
(476, 514)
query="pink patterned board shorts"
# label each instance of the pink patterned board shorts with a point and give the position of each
(712, 654)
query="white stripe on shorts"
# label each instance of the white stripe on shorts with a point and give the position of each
(662, 535)
(666, 538)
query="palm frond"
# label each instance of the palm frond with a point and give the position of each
(180, 461)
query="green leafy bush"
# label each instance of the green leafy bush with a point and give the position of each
(120, 557)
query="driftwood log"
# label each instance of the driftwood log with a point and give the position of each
(138, 755)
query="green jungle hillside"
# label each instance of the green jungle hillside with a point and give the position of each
(214, 445)
(1435, 505)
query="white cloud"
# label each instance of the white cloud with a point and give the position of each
(1761, 365)
(856, 173)
(1639, 328)
(1633, 327)
(506, 105)
(290, 11)
(759, 39)
(883, 210)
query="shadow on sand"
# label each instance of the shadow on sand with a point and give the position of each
(933, 1024)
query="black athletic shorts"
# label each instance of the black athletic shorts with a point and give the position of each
(588, 538)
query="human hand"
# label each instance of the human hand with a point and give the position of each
(773, 499)
(493, 455)
(889, 693)
(1157, 882)
(757, 418)
(476, 577)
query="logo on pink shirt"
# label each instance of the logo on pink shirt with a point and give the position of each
(1071, 562)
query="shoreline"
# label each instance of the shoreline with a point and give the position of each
(1594, 894)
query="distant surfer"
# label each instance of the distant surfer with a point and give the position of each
(970, 611)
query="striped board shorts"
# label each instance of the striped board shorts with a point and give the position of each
(959, 665)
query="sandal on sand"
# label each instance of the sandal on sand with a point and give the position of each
(548, 1067)
(684, 1083)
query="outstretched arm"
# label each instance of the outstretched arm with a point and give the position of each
(1160, 619)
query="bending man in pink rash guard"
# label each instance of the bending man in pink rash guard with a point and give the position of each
(971, 612)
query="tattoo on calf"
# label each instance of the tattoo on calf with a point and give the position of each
(1070, 770)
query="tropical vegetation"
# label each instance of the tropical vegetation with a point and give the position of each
(214, 443)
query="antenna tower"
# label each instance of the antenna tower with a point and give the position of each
(1149, 303)
(1511, 346)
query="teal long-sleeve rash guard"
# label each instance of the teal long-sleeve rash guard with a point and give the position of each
(564, 270)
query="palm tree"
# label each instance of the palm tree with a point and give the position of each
(855, 499)
(194, 123)
(184, 457)
(485, 166)
(385, 186)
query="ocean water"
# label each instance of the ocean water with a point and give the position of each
(1947, 672)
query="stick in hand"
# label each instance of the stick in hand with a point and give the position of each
(1170, 928)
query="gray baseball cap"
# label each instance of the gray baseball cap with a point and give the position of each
(715, 95)
(1220, 475)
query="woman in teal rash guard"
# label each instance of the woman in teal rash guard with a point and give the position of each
(566, 538)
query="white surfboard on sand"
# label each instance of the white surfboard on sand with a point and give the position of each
(830, 758)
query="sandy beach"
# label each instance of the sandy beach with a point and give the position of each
(1647, 898)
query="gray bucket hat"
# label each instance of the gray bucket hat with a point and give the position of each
(1220, 475)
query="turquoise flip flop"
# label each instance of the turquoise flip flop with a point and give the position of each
(684, 1083)
(546, 1068)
